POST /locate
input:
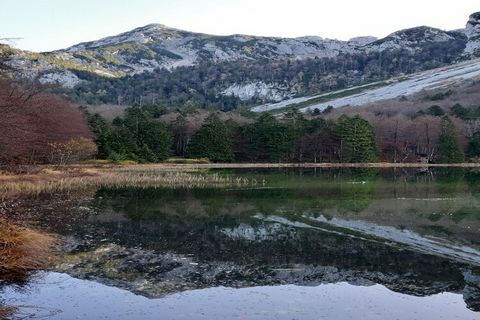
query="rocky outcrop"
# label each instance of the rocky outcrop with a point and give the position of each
(472, 31)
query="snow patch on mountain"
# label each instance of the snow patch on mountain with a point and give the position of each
(431, 79)
(244, 92)
(428, 80)
(63, 78)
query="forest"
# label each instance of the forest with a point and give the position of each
(142, 136)
(40, 127)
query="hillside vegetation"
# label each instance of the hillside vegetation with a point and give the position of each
(157, 64)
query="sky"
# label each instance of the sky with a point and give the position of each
(46, 25)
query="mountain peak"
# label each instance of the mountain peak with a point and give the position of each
(154, 27)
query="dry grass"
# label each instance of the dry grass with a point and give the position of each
(6, 312)
(75, 178)
(23, 250)
(170, 176)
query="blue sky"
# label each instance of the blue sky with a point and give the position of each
(53, 24)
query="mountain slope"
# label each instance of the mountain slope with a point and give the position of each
(404, 86)
(247, 69)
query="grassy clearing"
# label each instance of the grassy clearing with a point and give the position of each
(23, 250)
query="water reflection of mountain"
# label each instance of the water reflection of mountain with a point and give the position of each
(297, 230)
(153, 245)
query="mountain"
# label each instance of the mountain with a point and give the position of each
(459, 74)
(174, 67)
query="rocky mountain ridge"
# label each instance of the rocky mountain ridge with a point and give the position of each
(156, 47)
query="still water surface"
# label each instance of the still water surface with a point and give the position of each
(332, 244)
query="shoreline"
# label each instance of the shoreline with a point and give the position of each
(48, 178)
(160, 166)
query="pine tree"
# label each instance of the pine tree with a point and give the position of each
(357, 140)
(103, 134)
(474, 145)
(211, 141)
(448, 147)
(268, 139)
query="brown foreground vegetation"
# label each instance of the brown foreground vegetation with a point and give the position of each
(6, 312)
(70, 178)
(23, 250)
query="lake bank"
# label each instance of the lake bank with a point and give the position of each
(37, 179)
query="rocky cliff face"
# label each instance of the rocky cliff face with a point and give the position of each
(472, 31)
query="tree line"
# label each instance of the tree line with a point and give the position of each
(140, 136)
(38, 127)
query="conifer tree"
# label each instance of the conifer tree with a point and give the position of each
(448, 147)
(357, 140)
(211, 141)
(474, 145)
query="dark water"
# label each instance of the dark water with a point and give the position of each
(335, 244)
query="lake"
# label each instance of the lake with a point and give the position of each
(296, 244)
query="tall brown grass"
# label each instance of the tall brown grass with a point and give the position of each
(23, 250)
(6, 312)
(138, 176)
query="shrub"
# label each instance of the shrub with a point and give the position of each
(74, 150)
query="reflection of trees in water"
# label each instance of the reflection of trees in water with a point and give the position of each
(449, 180)
(226, 226)
(212, 243)
(473, 180)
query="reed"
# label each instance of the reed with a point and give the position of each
(6, 312)
(137, 176)
(23, 250)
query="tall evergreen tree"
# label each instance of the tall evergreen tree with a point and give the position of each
(211, 141)
(181, 135)
(448, 147)
(357, 140)
(153, 139)
(474, 145)
(103, 134)
(268, 139)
